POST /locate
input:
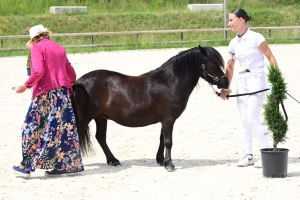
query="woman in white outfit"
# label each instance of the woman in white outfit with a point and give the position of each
(249, 48)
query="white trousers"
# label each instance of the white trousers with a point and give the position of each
(250, 108)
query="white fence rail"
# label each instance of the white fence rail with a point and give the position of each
(181, 32)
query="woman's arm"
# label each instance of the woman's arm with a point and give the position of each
(229, 71)
(229, 75)
(37, 66)
(265, 49)
(71, 72)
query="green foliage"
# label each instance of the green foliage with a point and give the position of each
(28, 60)
(3, 23)
(27, 7)
(287, 2)
(273, 117)
(139, 15)
(279, 86)
(40, 7)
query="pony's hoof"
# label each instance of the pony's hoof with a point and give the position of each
(161, 163)
(170, 168)
(114, 164)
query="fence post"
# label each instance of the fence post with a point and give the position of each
(225, 18)
(270, 34)
(92, 37)
(1, 43)
(181, 36)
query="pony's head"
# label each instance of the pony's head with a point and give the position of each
(213, 67)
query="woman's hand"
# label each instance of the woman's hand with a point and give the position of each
(224, 94)
(21, 89)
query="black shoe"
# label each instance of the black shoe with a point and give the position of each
(56, 173)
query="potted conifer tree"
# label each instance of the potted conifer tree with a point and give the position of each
(28, 64)
(275, 160)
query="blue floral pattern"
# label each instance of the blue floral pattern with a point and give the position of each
(49, 134)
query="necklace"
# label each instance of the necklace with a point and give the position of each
(243, 33)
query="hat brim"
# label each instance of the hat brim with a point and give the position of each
(30, 42)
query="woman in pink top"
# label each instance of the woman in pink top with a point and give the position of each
(49, 133)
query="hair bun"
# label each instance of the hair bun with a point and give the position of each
(248, 18)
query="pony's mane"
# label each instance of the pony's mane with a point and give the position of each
(183, 63)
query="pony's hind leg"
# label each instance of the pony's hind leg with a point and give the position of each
(101, 127)
(160, 153)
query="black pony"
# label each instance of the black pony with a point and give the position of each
(160, 95)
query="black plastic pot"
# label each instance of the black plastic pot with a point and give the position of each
(28, 71)
(274, 163)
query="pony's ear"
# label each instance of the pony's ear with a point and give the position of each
(202, 50)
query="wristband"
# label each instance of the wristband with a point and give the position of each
(226, 90)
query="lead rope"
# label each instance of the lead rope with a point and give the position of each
(237, 95)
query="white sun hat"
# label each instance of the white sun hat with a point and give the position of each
(34, 31)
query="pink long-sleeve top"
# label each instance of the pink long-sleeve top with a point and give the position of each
(50, 68)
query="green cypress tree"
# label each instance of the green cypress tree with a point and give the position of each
(273, 117)
(28, 60)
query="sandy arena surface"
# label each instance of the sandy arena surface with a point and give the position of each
(206, 142)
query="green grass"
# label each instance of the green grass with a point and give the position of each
(17, 16)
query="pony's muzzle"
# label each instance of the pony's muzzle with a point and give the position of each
(223, 83)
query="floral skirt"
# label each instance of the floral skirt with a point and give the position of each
(49, 134)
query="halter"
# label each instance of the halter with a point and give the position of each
(216, 79)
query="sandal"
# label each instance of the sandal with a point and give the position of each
(24, 172)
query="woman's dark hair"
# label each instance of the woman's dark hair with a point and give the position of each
(42, 36)
(239, 12)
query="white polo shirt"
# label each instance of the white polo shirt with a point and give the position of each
(247, 52)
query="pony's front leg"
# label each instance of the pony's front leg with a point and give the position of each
(167, 132)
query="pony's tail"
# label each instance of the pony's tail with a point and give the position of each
(85, 143)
